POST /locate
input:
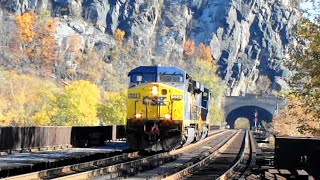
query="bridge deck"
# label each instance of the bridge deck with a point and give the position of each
(26, 162)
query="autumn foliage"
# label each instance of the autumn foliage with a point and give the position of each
(31, 101)
(74, 46)
(201, 52)
(119, 35)
(26, 24)
(25, 100)
(78, 104)
(294, 120)
(205, 53)
(189, 48)
(305, 62)
(37, 37)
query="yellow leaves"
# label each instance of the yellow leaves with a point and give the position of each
(113, 109)
(205, 72)
(28, 101)
(119, 35)
(80, 103)
(24, 98)
(26, 23)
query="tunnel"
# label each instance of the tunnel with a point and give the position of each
(249, 113)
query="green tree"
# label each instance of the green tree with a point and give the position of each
(113, 109)
(204, 71)
(306, 62)
(78, 104)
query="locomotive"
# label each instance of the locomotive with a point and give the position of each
(166, 108)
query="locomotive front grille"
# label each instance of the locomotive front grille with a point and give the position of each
(150, 109)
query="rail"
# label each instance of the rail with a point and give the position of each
(71, 169)
(243, 162)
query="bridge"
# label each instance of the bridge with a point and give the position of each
(251, 107)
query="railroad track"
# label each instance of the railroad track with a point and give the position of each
(71, 169)
(234, 160)
(177, 164)
(114, 164)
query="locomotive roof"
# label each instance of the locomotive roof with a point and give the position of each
(166, 69)
(157, 69)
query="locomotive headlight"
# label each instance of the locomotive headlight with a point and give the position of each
(167, 116)
(138, 116)
(176, 97)
(134, 95)
(154, 90)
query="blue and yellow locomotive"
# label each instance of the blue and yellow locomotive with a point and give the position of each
(166, 108)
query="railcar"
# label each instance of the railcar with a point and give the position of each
(166, 108)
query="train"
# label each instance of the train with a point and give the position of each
(166, 108)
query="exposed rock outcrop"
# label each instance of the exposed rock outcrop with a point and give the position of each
(247, 38)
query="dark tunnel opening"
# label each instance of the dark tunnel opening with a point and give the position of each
(249, 113)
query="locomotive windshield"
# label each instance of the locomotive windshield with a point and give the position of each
(140, 78)
(177, 78)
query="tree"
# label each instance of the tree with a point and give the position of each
(294, 121)
(205, 72)
(304, 108)
(45, 49)
(26, 24)
(189, 48)
(26, 100)
(113, 109)
(74, 45)
(78, 104)
(119, 36)
(37, 37)
(205, 53)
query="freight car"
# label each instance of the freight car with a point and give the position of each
(166, 108)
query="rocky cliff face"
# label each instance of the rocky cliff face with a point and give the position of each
(248, 38)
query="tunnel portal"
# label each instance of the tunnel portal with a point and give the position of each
(249, 112)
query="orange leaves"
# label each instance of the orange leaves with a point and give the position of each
(189, 48)
(119, 35)
(26, 24)
(37, 37)
(46, 40)
(74, 46)
(205, 53)
(294, 120)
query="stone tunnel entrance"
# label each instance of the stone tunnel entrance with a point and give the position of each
(249, 112)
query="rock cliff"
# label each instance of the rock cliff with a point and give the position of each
(248, 38)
